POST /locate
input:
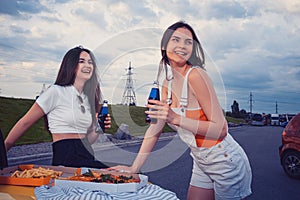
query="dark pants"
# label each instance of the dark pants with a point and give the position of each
(74, 153)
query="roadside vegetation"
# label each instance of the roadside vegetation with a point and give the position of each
(12, 109)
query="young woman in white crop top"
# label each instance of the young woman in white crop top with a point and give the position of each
(189, 104)
(69, 108)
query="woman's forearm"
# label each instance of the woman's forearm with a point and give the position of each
(209, 129)
(34, 113)
(92, 137)
(16, 132)
(13, 136)
(151, 136)
(145, 150)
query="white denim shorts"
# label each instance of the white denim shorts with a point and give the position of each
(224, 168)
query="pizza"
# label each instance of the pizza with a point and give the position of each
(100, 177)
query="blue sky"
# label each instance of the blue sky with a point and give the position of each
(251, 46)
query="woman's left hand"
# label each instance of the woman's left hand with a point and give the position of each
(161, 110)
(121, 168)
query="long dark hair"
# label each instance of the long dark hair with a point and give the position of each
(67, 74)
(197, 58)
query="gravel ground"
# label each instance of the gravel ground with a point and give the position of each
(46, 147)
(24, 150)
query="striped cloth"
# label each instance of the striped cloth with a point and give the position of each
(149, 192)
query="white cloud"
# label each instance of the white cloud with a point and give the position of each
(248, 43)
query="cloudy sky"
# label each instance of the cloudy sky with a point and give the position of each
(252, 47)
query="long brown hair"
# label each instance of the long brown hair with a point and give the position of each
(197, 58)
(67, 74)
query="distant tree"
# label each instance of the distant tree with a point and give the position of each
(228, 114)
(235, 109)
(243, 114)
(243, 111)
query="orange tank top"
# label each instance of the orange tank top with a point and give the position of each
(197, 113)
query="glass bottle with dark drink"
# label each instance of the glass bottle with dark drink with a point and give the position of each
(154, 94)
(103, 114)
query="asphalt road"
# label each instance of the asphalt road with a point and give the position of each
(169, 166)
(269, 180)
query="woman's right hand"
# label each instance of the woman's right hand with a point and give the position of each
(107, 122)
(161, 110)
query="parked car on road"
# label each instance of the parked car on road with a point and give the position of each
(289, 151)
(275, 119)
(258, 120)
(283, 124)
(285, 118)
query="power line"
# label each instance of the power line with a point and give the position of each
(251, 102)
(268, 104)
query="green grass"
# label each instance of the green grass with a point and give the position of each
(133, 116)
(12, 109)
(235, 120)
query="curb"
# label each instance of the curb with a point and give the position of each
(28, 158)
(126, 143)
(97, 147)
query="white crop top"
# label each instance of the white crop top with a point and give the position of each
(63, 109)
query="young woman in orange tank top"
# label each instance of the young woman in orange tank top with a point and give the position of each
(221, 169)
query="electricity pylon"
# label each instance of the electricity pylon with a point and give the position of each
(129, 94)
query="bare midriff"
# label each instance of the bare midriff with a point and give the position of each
(62, 136)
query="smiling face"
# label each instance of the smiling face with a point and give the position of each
(180, 47)
(85, 67)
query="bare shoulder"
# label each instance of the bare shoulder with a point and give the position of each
(198, 75)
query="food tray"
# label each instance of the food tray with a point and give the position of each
(109, 188)
(6, 179)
